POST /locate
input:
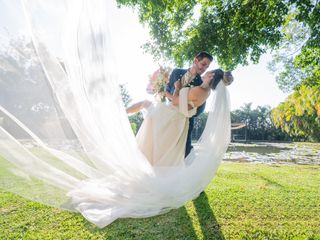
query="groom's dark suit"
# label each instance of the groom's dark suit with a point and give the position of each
(175, 76)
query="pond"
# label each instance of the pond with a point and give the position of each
(268, 152)
(254, 152)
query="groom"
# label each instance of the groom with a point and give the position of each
(191, 77)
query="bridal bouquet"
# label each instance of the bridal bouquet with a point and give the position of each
(158, 82)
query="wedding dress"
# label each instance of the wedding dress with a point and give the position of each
(163, 134)
(65, 138)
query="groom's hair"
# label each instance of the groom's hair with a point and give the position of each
(202, 55)
(218, 76)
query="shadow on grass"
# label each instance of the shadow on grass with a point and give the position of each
(269, 181)
(209, 225)
(177, 224)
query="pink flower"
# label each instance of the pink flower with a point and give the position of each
(158, 81)
(155, 75)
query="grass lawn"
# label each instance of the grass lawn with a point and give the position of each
(244, 201)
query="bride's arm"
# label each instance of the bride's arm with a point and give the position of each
(197, 95)
(138, 106)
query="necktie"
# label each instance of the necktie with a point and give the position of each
(186, 78)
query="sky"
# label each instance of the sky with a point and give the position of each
(253, 84)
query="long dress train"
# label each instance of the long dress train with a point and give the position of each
(65, 138)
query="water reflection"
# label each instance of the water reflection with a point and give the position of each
(265, 152)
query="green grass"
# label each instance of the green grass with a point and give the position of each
(244, 201)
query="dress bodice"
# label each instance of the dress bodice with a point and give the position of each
(183, 103)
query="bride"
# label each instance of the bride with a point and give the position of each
(79, 152)
(163, 133)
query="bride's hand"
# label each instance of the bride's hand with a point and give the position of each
(227, 78)
(208, 76)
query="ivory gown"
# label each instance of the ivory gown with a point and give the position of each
(163, 134)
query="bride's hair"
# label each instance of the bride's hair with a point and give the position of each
(218, 76)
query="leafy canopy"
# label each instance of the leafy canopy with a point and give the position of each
(233, 31)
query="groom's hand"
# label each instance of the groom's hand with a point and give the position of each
(168, 95)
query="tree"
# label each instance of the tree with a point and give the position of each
(135, 119)
(288, 75)
(125, 95)
(234, 31)
(199, 125)
(259, 123)
(299, 56)
(24, 90)
(299, 115)
(300, 41)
